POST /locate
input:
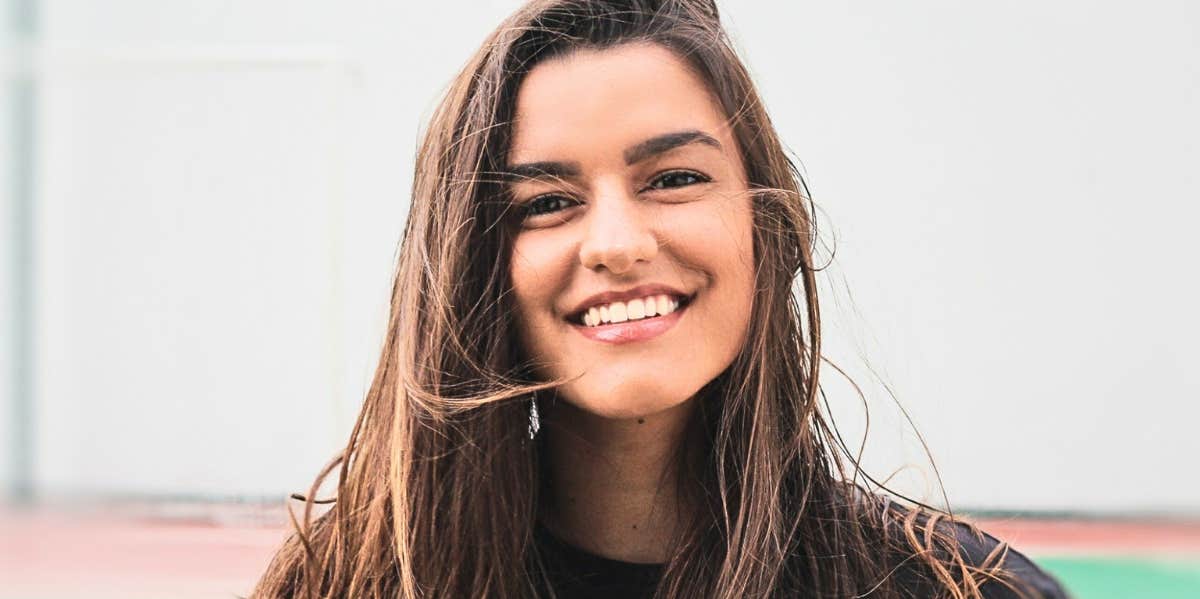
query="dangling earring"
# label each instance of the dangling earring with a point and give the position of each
(535, 421)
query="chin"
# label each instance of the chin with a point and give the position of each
(627, 399)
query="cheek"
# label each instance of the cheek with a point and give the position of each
(739, 265)
(539, 271)
(721, 236)
(721, 241)
(737, 220)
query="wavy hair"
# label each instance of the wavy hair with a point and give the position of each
(438, 486)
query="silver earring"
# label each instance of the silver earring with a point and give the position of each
(535, 421)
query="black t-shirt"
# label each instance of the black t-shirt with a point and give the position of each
(578, 574)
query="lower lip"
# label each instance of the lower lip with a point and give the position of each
(631, 331)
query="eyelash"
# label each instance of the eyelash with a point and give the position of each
(529, 208)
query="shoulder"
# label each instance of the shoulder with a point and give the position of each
(977, 548)
(980, 549)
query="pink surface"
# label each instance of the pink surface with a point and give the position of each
(52, 555)
(1098, 537)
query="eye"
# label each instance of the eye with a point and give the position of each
(677, 179)
(546, 204)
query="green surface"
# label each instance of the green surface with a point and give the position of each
(1125, 578)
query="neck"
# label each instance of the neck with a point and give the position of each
(614, 481)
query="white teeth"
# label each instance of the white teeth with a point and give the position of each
(671, 305)
(637, 309)
(615, 312)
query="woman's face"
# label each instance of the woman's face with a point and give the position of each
(633, 266)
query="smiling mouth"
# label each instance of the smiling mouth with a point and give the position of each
(647, 308)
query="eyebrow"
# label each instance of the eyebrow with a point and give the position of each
(666, 142)
(659, 144)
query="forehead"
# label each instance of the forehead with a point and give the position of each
(596, 100)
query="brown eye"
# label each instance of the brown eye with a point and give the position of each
(546, 204)
(677, 179)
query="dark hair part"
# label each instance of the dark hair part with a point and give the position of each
(438, 487)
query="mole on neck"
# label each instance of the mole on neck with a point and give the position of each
(613, 482)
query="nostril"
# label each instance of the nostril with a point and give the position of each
(615, 260)
(617, 248)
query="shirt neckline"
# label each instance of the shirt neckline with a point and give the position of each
(586, 560)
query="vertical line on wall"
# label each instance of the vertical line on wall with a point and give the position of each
(23, 94)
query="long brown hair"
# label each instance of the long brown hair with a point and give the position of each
(438, 487)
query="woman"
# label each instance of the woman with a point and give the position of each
(600, 256)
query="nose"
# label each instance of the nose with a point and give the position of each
(618, 234)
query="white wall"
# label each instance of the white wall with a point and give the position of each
(222, 189)
(1014, 188)
(7, 257)
(222, 186)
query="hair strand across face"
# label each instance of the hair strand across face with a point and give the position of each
(439, 485)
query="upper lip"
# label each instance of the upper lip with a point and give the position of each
(608, 297)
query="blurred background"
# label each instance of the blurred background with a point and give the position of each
(202, 202)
